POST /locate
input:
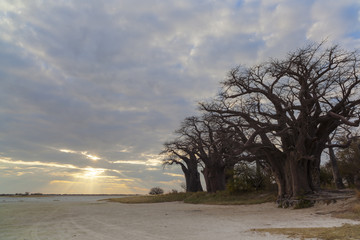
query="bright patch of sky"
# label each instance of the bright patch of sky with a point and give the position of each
(89, 90)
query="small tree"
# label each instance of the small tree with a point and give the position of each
(156, 191)
(349, 164)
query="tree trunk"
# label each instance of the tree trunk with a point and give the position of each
(301, 181)
(187, 177)
(314, 174)
(206, 177)
(214, 178)
(335, 170)
(194, 184)
(192, 180)
(280, 170)
(259, 179)
(292, 174)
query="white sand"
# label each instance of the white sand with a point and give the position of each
(88, 219)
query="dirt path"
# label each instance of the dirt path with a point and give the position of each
(109, 221)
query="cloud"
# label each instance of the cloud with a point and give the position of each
(84, 153)
(334, 19)
(36, 163)
(175, 175)
(104, 84)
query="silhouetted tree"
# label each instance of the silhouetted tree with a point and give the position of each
(181, 152)
(201, 132)
(288, 108)
(207, 141)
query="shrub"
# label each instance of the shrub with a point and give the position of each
(174, 191)
(349, 164)
(156, 191)
(246, 178)
(326, 176)
(304, 203)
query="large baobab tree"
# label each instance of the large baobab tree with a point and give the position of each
(201, 132)
(206, 141)
(180, 152)
(288, 108)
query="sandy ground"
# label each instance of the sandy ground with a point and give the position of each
(88, 219)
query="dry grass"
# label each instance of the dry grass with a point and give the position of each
(219, 198)
(351, 212)
(356, 209)
(224, 198)
(345, 232)
(171, 197)
(356, 206)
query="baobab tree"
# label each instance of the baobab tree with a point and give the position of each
(288, 108)
(201, 131)
(205, 141)
(180, 152)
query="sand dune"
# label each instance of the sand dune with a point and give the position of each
(89, 219)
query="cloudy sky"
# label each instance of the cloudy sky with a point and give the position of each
(89, 90)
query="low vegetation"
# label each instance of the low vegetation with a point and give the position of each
(219, 198)
(224, 198)
(170, 197)
(353, 212)
(156, 191)
(345, 231)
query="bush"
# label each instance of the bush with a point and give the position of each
(349, 164)
(326, 176)
(156, 191)
(246, 178)
(304, 203)
(174, 191)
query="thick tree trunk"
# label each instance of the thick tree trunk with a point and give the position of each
(301, 181)
(192, 180)
(292, 174)
(280, 170)
(187, 177)
(214, 178)
(206, 177)
(335, 170)
(194, 184)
